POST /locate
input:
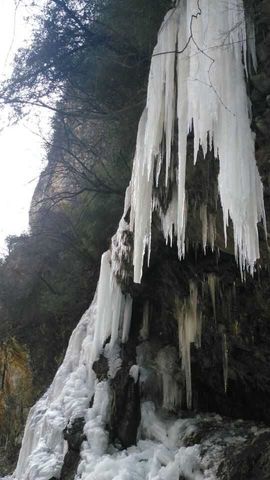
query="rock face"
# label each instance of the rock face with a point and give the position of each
(230, 368)
(251, 463)
(74, 436)
(15, 395)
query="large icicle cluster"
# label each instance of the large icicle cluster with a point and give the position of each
(197, 82)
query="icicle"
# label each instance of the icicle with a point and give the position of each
(212, 280)
(212, 233)
(199, 46)
(127, 318)
(134, 372)
(250, 33)
(189, 330)
(208, 221)
(167, 360)
(225, 360)
(144, 331)
(203, 217)
(109, 305)
(169, 220)
(141, 206)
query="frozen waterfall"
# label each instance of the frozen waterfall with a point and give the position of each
(160, 453)
(196, 82)
(43, 447)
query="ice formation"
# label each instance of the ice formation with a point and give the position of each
(144, 332)
(212, 284)
(172, 394)
(225, 360)
(43, 447)
(189, 329)
(159, 453)
(197, 82)
(208, 221)
(113, 308)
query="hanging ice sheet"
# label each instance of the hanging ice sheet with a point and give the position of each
(197, 81)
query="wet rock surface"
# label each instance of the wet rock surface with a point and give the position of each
(74, 436)
(252, 463)
(237, 449)
(101, 367)
(239, 315)
(125, 413)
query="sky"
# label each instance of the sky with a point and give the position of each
(22, 155)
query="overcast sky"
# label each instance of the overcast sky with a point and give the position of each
(21, 152)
